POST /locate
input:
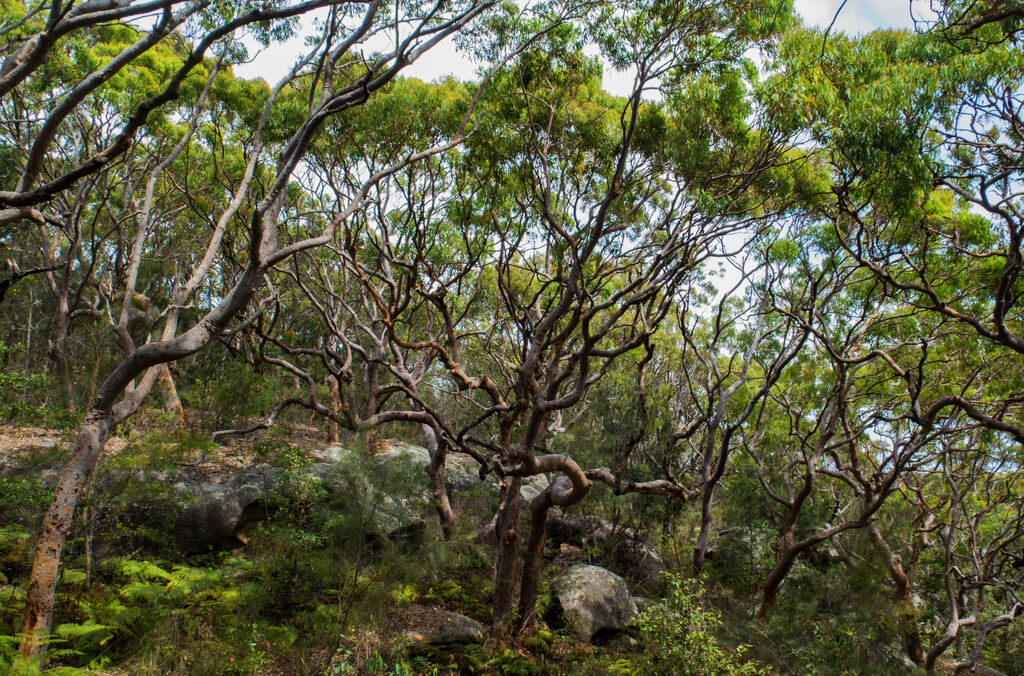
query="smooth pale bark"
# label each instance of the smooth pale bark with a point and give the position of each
(172, 403)
(62, 329)
(263, 253)
(333, 433)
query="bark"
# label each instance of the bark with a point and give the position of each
(565, 491)
(264, 251)
(172, 404)
(55, 529)
(370, 406)
(531, 566)
(507, 559)
(700, 549)
(335, 402)
(438, 450)
(372, 390)
(770, 592)
(904, 597)
(103, 414)
(58, 348)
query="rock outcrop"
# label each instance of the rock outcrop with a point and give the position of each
(623, 549)
(213, 510)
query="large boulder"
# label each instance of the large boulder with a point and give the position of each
(387, 492)
(213, 510)
(460, 472)
(592, 601)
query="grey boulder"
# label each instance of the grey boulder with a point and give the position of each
(434, 626)
(213, 511)
(593, 600)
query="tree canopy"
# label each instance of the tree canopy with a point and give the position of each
(770, 294)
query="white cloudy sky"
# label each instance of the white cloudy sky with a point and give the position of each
(857, 16)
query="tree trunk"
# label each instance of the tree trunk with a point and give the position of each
(507, 558)
(372, 387)
(333, 436)
(55, 529)
(58, 353)
(904, 597)
(700, 549)
(172, 404)
(531, 564)
(436, 471)
(94, 374)
(771, 586)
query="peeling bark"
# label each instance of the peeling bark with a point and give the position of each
(55, 530)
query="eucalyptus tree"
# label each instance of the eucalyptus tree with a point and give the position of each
(359, 312)
(916, 138)
(978, 520)
(732, 356)
(495, 285)
(962, 20)
(957, 571)
(606, 211)
(345, 74)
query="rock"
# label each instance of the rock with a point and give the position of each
(622, 643)
(459, 474)
(643, 603)
(213, 511)
(621, 547)
(593, 600)
(387, 492)
(569, 529)
(532, 487)
(395, 518)
(644, 562)
(416, 456)
(434, 626)
(332, 454)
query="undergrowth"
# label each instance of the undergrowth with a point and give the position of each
(314, 590)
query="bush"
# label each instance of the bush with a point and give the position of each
(234, 393)
(23, 397)
(680, 636)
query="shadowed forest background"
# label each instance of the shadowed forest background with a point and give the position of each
(352, 373)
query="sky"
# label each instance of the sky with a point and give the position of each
(857, 16)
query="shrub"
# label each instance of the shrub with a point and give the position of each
(680, 636)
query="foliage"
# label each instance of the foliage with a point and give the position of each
(234, 391)
(680, 636)
(763, 310)
(24, 395)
